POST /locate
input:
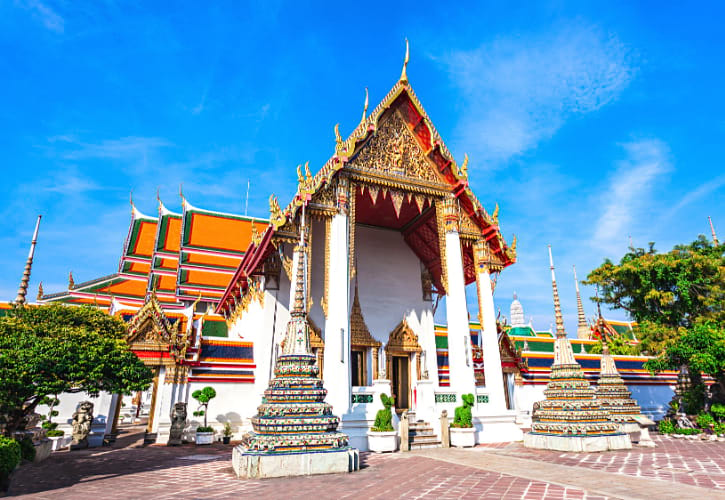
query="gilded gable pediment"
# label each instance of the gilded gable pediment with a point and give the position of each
(394, 152)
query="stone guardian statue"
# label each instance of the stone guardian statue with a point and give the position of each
(82, 420)
(178, 423)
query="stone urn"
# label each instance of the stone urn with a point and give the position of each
(204, 437)
(381, 442)
(59, 442)
(463, 437)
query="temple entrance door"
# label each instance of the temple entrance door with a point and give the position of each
(152, 410)
(401, 382)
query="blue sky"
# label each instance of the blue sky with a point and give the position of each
(585, 125)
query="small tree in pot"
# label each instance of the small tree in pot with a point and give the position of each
(51, 428)
(382, 437)
(204, 433)
(462, 432)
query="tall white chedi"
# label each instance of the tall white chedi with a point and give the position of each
(570, 418)
(517, 312)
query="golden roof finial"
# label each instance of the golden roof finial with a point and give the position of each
(463, 172)
(495, 215)
(308, 175)
(338, 138)
(71, 283)
(300, 177)
(365, 108)
(40, 291)
(404, 73)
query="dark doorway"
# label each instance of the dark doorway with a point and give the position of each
(401, 382)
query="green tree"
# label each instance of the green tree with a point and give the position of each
(617, 345)
(203, 396)
(702, 349)
(52, 349)
(665, 292)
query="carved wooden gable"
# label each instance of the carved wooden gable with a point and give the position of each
(394, 151)
(403, 339)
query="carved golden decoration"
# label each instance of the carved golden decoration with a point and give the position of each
(254, 294)
(276, 217)
(359, 333)
(351, 233)
(394, 150)
(177, 374)
(450, 214)
(440, 223)
(495, 215)
(151, 330)
(71, 282)
(426, 283)
(402, 342)
(326, 288)
(463, 170)
(256, 235)
(308, 273)
(376, 370)
(40, 291)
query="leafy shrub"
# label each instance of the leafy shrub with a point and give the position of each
(693, 401)
(55, 433)
(718, 411)
(463, 418)
(205, 428)
(704, 420)
(227, 429)
(719, 428)
(27, 450)
(688, 432)
(384, 417)
(666, 426)
(9, 457)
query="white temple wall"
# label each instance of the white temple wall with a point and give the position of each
(390, 288)
(234, 403)
(317, 276)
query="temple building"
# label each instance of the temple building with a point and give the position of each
(392, 226)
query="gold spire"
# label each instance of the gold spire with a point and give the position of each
(560, 332)
(40, 291)
(71, 283)
(404, 74)
(23, 288)
(365, 108)
(712, 229)
(582, 331)
(463, 171)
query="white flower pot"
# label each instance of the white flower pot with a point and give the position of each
(380, 442)
(463, 437)
(59, 442)
(204, 437)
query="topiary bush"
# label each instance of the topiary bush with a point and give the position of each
(718, 411)
(203, 396)
(463, 418)
(666, 426)
(704, 420)
(9, 458)
(384, 418)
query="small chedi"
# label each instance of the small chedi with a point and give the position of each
(614, 395)
(571, 418)
(295, 432)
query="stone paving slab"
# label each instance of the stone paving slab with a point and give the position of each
(129, 471)
(600, 482)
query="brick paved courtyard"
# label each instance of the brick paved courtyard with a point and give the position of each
(129, 470)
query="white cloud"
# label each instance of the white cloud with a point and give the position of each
(520, 90)
(45, 14)
(629, 192)
(122, 148)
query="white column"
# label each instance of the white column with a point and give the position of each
(489, 334)
(460, 361)
(337, 324)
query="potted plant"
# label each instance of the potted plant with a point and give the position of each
(463, 435)
(51, 428)
(382, 437)
(204, 433)
(227, 433)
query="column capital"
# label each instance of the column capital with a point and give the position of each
(342, 196)
(449, 209)
(483, 258)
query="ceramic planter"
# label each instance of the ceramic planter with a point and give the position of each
(380, 442)
(204, 437)
(226, 439)
(463, 437)
(59, 442)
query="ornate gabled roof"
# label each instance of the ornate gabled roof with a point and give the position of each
(403, 338)
(450, 179)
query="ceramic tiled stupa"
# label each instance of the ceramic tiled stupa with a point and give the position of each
(570, 418)
(614, 395)
(295, 432)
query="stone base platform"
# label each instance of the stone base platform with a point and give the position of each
(259, 465)
(577, 443)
